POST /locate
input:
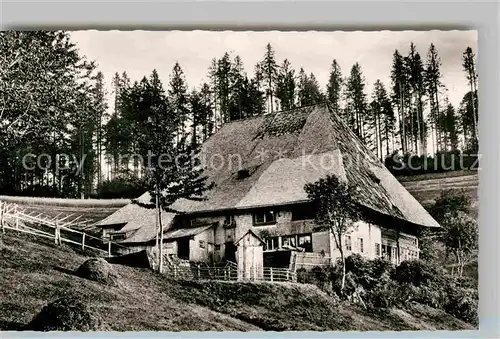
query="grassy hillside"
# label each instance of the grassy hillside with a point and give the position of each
(91, 210)
(34, 272)
(426, 188)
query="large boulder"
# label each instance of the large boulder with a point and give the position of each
(65, 314)
(98, 269)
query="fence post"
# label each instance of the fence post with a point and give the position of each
(56, 234)
(109, 248)
(271, 270)
(198, 268)
(175, 271)
(287, 275)
(17, 218)
(83, 241)
(1, 215)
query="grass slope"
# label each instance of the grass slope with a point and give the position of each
(34, 272)
(427, 188)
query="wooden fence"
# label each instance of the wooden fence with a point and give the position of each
(309, 260)
(227, 273)
(13, 218)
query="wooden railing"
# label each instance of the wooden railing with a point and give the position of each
(309, 260)
(229, 272)
(56, 228)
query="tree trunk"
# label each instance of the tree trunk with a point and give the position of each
(398, 254)
(438, 136)
(473, 102)
(403, 135)
(160, 250)
(419, 133)
(342, 285)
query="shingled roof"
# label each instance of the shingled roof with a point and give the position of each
(139, 223)
(266, 161)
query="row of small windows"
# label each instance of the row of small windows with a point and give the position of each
(360, 245)
(298, 240)
(268, 217)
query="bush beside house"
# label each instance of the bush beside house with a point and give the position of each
(381, 286)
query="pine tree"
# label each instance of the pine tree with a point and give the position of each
(268, 74)
(178, 99)
(334, 86)
(224, 67)
(309, 92)
(100, 106)
(400, 94)
(451, 127)
(433, 85)
(416, 81)
(466, 116)
(471, 75)
(46, 96)
(238, 90)
(285, 88)
(357, 102)
(207, 114)
(381, 120)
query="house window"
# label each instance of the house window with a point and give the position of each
(229, 220)
(303, 213)
(202, 244)
(348, 245)
(271, 244)
(387, 252)
(217, 247)
(264, 218)
(305, 242)
(118, 236)
(377, 250)
(360, 244)
(289, 241)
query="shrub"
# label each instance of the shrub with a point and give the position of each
(98, 269)
(462, 303)
(121, 187)
(65, 314)
(319, 276)
(388, 294)
(418, 272)
(433, 295)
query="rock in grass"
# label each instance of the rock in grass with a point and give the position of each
(98, 269)
(65, 314)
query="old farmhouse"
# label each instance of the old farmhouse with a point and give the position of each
(260, 166)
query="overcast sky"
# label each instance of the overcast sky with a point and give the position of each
(139, 52)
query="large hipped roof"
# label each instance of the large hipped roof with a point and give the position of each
(281, 152)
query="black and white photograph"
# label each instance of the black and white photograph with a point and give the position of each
(203, 180)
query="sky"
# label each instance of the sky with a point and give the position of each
(139, 52)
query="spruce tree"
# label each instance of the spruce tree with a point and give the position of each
(400, 95)
(178, 99)
(268, 74)
(334, 86)
(285, 88)
(471, 75)
(357, 100)
(433, 85)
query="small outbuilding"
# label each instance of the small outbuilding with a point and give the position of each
(250, 257)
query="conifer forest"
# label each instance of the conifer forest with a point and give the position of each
(53, 101)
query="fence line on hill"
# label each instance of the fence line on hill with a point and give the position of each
(228, 273)
(14, 218)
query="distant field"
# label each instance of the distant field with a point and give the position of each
(87, 203)
(91, 210)
(427, 188)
